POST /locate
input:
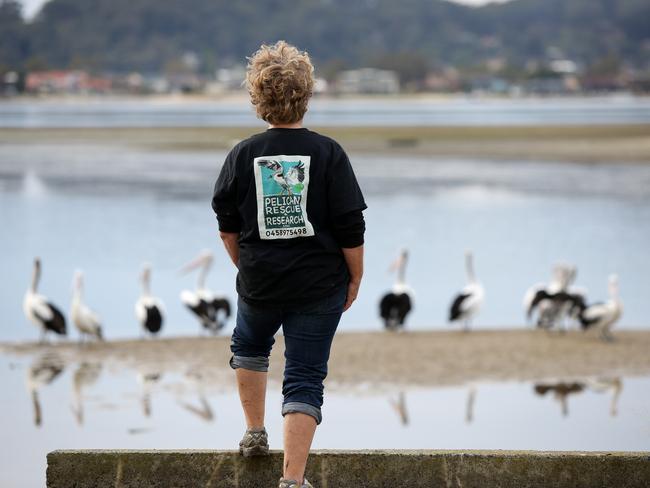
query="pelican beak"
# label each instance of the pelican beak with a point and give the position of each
(396, 264)
(195, 263)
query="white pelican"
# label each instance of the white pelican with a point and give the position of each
(557, 300)
(211, 310)
(468, 302)
(396, 304)
(538, 292)
(39, 310)
(84, 319)
(149, 310)
(603, 316)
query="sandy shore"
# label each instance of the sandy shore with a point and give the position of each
(584, 144)
(380, 359)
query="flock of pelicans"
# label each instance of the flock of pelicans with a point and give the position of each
(211, 310)
(550, 304)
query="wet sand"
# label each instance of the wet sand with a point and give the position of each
(379, 359)
(583, 144)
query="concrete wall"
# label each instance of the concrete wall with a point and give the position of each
(350, 469)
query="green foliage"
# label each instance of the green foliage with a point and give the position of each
(14, 45)
(407, 35)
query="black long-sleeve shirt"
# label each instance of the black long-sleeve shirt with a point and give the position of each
(293, 197)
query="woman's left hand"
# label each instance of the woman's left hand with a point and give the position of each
(353, 291)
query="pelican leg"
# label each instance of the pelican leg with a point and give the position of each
(41, 340)
(606, 336)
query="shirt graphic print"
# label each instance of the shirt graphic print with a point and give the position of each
(282, 183)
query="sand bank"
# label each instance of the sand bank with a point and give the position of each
(379, 359)
(584, 144)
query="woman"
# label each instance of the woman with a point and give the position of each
(290, 216)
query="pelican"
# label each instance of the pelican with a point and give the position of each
(557, 300)
(84, 319)
(535, 295)
(603, 316)
(396, 304)
(149, 310)
(210, 309)
(290, 180)
(468, 302)
(39, 310)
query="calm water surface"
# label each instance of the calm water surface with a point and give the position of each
(106, 209)
(106, 406)
(457, 110)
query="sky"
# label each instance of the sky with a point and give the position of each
(30, 7)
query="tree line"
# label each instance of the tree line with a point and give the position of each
(411, 36)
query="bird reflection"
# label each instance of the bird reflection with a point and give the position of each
(84, 376)
(203, 411)
(399, 405)
(469, 406)
(561, 392)
(147, 381)
(603, 385)
(43, 371)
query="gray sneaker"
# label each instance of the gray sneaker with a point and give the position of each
(294, 484)
(254, 443)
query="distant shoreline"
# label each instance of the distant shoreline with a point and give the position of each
(242, 96)
(572, 143)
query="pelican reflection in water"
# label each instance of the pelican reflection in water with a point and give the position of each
(399, 405)
(42, 372)
(147, 379)
(469, 404)
(84, 376)
(562, 390)
(204, 410)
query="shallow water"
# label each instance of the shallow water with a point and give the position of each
(107, 209)
(94, 405)
(455, 110)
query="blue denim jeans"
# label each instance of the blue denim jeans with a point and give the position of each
(308, 332)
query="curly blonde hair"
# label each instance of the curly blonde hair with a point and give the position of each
(280, 81)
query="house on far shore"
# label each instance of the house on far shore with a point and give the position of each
(66, 81)
(368, 80)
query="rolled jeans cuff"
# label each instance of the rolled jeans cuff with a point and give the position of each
(306, 408)
(256, 363)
